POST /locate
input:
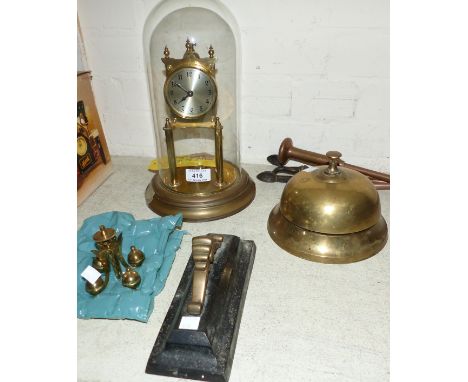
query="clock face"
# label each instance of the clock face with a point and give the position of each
(82, 146)
(190, 92)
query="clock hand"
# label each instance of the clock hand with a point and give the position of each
(180, 86)
(189, 94)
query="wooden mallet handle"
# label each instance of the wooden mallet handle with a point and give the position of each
(288, 152)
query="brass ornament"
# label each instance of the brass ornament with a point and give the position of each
(131, 278)
(98, 286)
(330, 215)
(104, 236)
(203, 250)
(135, 257)
(108, 256)
(101, 260)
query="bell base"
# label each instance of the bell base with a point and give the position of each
(324, 248)
(217, 205)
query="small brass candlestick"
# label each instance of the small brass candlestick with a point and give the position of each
(109, 255)
(104, 237)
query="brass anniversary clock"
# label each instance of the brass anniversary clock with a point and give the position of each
(193, 177)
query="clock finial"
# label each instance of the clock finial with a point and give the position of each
(211, 51)
(190, 45)
(166, 52)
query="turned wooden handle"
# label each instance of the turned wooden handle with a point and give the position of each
(287, 152)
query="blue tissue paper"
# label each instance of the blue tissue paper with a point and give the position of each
(158, 238)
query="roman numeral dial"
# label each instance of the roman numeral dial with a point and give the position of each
(190, 92)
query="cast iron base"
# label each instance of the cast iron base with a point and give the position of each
(206, 354)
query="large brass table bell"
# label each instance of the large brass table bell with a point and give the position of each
(330, 215)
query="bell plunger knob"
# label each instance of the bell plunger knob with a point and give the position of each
(334, 159)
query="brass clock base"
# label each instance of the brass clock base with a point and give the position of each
(217, 205)
(326, 248)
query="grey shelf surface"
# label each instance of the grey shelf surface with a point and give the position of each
(302, 321)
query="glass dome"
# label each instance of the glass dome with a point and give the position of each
(192, 65)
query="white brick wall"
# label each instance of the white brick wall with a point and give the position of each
(314, 70)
